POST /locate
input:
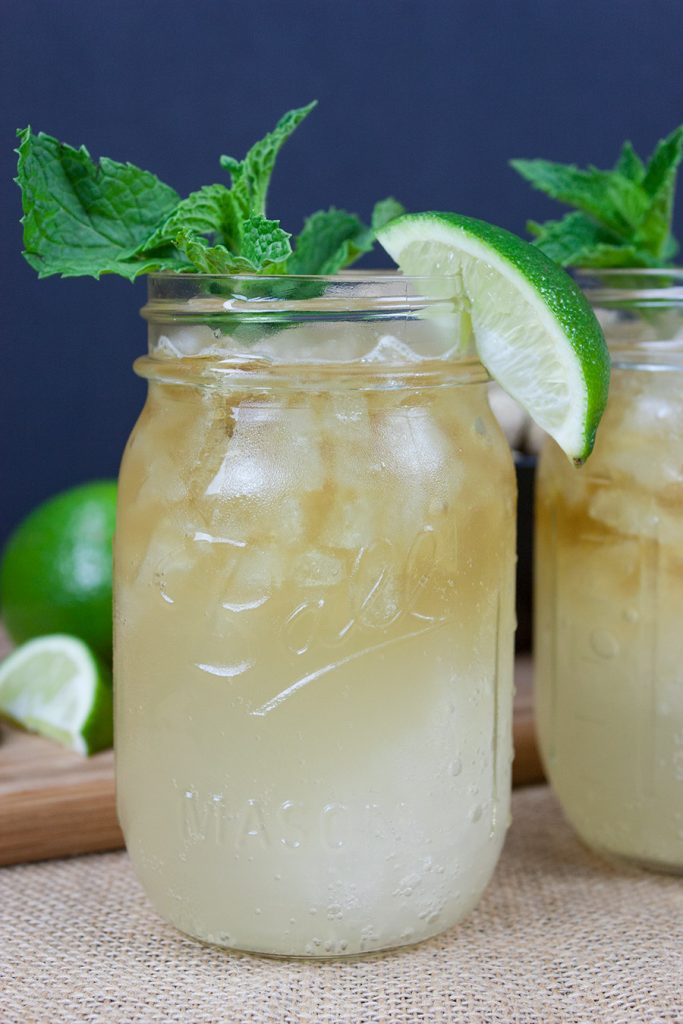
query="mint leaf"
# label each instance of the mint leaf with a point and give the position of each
(623, 216)
(384, 211)
(663, 162)
(251, 244)
(209, 210)
(251, 176)
(264, 245)
(629, 164)
(209, 259)
(83, 218)
(332, 239)
(604, 255)
(568, 240)
(329, 240)
(577, 241)
(610, 198)
(264, 242)
(660, 184)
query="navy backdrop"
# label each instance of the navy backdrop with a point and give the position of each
(425, 99)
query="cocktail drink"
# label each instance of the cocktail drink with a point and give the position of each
(610, 589)
(314, 551)
(314, 616)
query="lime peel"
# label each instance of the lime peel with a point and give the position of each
(534, 330)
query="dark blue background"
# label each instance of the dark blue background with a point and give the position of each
(425, 99)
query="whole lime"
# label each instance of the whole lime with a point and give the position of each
(55, 574)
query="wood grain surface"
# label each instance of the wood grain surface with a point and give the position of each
(54, 803)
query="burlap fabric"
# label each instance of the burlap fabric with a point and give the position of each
(560, 938)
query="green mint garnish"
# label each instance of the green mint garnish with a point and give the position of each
(88, 218)
(251, 176)
(386, 210)
(330, 239)
(622, 217)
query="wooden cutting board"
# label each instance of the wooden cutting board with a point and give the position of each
(54, 803)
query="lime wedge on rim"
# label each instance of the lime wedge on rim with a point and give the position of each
(533, 328)
(56, 686)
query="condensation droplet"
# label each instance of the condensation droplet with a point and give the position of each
(631, 615)
(455, 767)
(476, 813)
(604, 644)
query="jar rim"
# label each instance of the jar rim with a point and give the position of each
(375, 292)
(350, 275)
(390, 325)
(631, 286)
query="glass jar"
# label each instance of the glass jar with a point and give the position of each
(609, 572)
(314, 616)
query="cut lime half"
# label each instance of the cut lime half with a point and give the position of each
(55, 685)
(534, 330)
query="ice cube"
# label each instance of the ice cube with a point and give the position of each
(187, 341)
(273, 450)
(351, 522)
(411, 443)
(258, 571)
(390, 349)
(169, 553)
(162, 483)
(420, 475)
(334, 343)
(631, 512)
(317, 568)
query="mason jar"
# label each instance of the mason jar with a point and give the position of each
(609, 592)
(314, 615)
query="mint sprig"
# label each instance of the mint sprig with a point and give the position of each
(333, 239)
(622, 216)
(251, 176)
(330, 239)
(83, 217)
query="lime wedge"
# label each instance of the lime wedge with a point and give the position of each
(533, 328)
(54, 685)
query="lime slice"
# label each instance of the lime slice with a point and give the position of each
(54, 685)
(533, 328)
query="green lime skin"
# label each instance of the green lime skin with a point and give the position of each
(566, 302)
(56, 570)
(98, 730)
(555, 289)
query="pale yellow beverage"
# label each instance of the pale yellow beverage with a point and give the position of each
(609, 595)
(314, 621)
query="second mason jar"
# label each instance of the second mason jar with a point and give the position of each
(314, 616)
(609, 593)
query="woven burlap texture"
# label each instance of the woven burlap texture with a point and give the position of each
(559, 938)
